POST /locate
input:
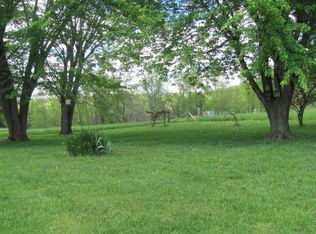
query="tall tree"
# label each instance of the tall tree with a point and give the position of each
(30, 35)
(98, 30)
(305, 13)
(263, 39)
(8, 101)
(82, 36)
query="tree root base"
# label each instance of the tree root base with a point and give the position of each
(65, 134)
(281, 136)
(19, 139)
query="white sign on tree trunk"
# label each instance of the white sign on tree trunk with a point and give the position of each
(68, 102)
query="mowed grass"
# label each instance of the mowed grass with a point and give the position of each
(188, 177)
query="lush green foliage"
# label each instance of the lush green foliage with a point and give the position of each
(271, 44)
(273, 39)
(51, 44)
(207, 177)
(88, 143)
(55, 44)
(125, 106)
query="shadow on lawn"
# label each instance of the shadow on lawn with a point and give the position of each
(183, 134)
(38, 141)
(208, 134)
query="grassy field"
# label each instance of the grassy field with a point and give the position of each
(188, 177)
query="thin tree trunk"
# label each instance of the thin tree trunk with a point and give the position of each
(25, 106)
(300, 115)
(23, 118)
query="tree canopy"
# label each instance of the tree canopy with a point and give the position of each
(54, 44)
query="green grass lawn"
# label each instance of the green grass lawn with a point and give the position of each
(188, 177)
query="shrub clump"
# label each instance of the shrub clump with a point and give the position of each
(88, 143)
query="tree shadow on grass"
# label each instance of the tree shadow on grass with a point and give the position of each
(181, 134)
(217, 134)
(36, 141)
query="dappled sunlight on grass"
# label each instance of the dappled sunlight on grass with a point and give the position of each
(186, 177)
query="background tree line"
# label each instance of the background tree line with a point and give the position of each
(122, 106)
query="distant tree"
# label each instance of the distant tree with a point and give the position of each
(108, 94)
(302, 98)
(153, 86)
(44, 112)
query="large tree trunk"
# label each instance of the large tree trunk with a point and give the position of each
(67, 113)
(275, 98)
(279, 121)
(278, 109)
(9, 103)
(11, 114)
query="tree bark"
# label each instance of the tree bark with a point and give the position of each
(11, 114)
(9, 103)
(275, 98)
(278, 110)
(27, 91)
(279, 121)
(300, 116)
(300, 113)
(67, 113)
(23, 118)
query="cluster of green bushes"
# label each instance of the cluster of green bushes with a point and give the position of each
(88, 143)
